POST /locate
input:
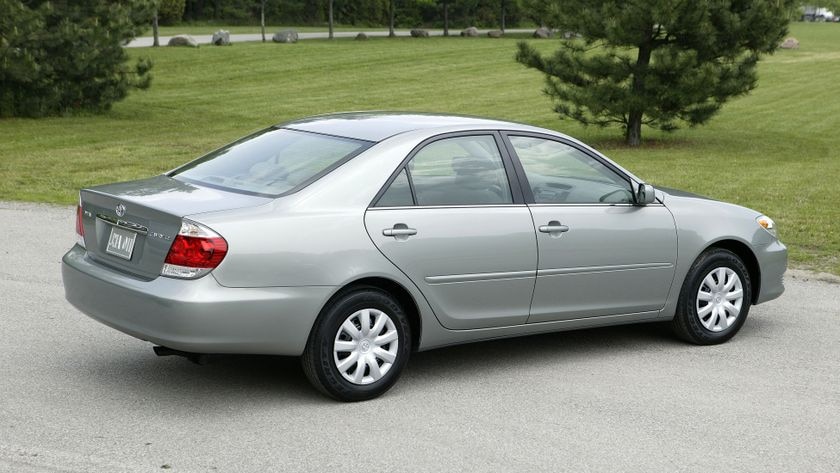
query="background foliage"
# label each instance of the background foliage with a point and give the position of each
(171, 12)
(409, 13)
(58, 56)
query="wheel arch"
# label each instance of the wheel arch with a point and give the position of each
(743, 251)
(395, 289)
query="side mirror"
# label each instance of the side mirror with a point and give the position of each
(645, 194)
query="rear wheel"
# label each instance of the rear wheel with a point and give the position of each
(715, 298)
(359, 346)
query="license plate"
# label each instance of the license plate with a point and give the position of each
(121, 243)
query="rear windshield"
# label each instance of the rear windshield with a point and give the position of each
(271, 162)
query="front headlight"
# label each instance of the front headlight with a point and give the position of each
(768, 224)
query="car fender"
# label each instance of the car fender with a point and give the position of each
(701, 223)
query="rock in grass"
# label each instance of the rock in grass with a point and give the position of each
(542, 33)
(285, 36)
(361, 37)
(221, 38)
(471, 32)
(495, 34)
(183, 40)
(790, 43)
(418, 33)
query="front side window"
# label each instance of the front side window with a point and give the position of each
(466, 170)
(272, 162)
(561, 174)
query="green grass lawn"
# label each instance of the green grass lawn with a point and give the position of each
(775, 150)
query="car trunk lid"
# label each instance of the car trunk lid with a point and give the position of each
(130, 226)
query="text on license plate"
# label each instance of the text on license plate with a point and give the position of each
(121, 243)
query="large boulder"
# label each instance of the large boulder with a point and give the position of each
(542, 33)
(285, 36)
(790, 43)
(495, 34)
(183, 40)
(418, 33)
(221, 38)
(361, 37)
(471, 32)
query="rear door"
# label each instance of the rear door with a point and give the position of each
(452, 220)
(599, 254)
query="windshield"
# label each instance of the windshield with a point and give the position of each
(271, 162)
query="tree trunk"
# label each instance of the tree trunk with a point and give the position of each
(633, 135)
(331, 19)
(446, 18)
(262, 20)
(156, 42)
(503, 16)
(391, 33)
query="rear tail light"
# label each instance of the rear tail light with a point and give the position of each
(196, 251)
(80, 224)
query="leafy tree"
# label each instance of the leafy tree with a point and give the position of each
(503, 5)
(391, 14)
(170, 12)
(262, 20)
(445, 4)
(656, 62)
(330, 17)
(361, 12)
(63, 55)
(542, 12)
(156, 30)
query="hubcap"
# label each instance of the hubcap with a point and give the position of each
(365, 346)
(719, 299)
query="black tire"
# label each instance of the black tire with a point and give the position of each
(687, 324)
(318, 359)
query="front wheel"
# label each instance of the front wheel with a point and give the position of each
(715, 298)
(359, 346)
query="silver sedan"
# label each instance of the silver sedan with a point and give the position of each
(352, 240)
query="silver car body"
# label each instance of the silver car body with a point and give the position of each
(470, 273)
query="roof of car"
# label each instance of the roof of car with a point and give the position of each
(377, 126)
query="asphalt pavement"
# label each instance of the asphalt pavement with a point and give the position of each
(76, 396)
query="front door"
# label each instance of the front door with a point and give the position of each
(451, 221)
(599, 254)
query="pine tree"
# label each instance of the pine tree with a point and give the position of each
(58, 56)
(660, 63)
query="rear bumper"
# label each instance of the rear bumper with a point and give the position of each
(772, 261)
(199, 315)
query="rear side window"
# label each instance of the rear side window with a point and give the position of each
(464, 170)
(272, 162)
(398, 193)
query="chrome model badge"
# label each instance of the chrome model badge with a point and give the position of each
(120, 210)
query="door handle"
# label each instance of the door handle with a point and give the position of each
(554, 228)
(392, 232)
(400, 231)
